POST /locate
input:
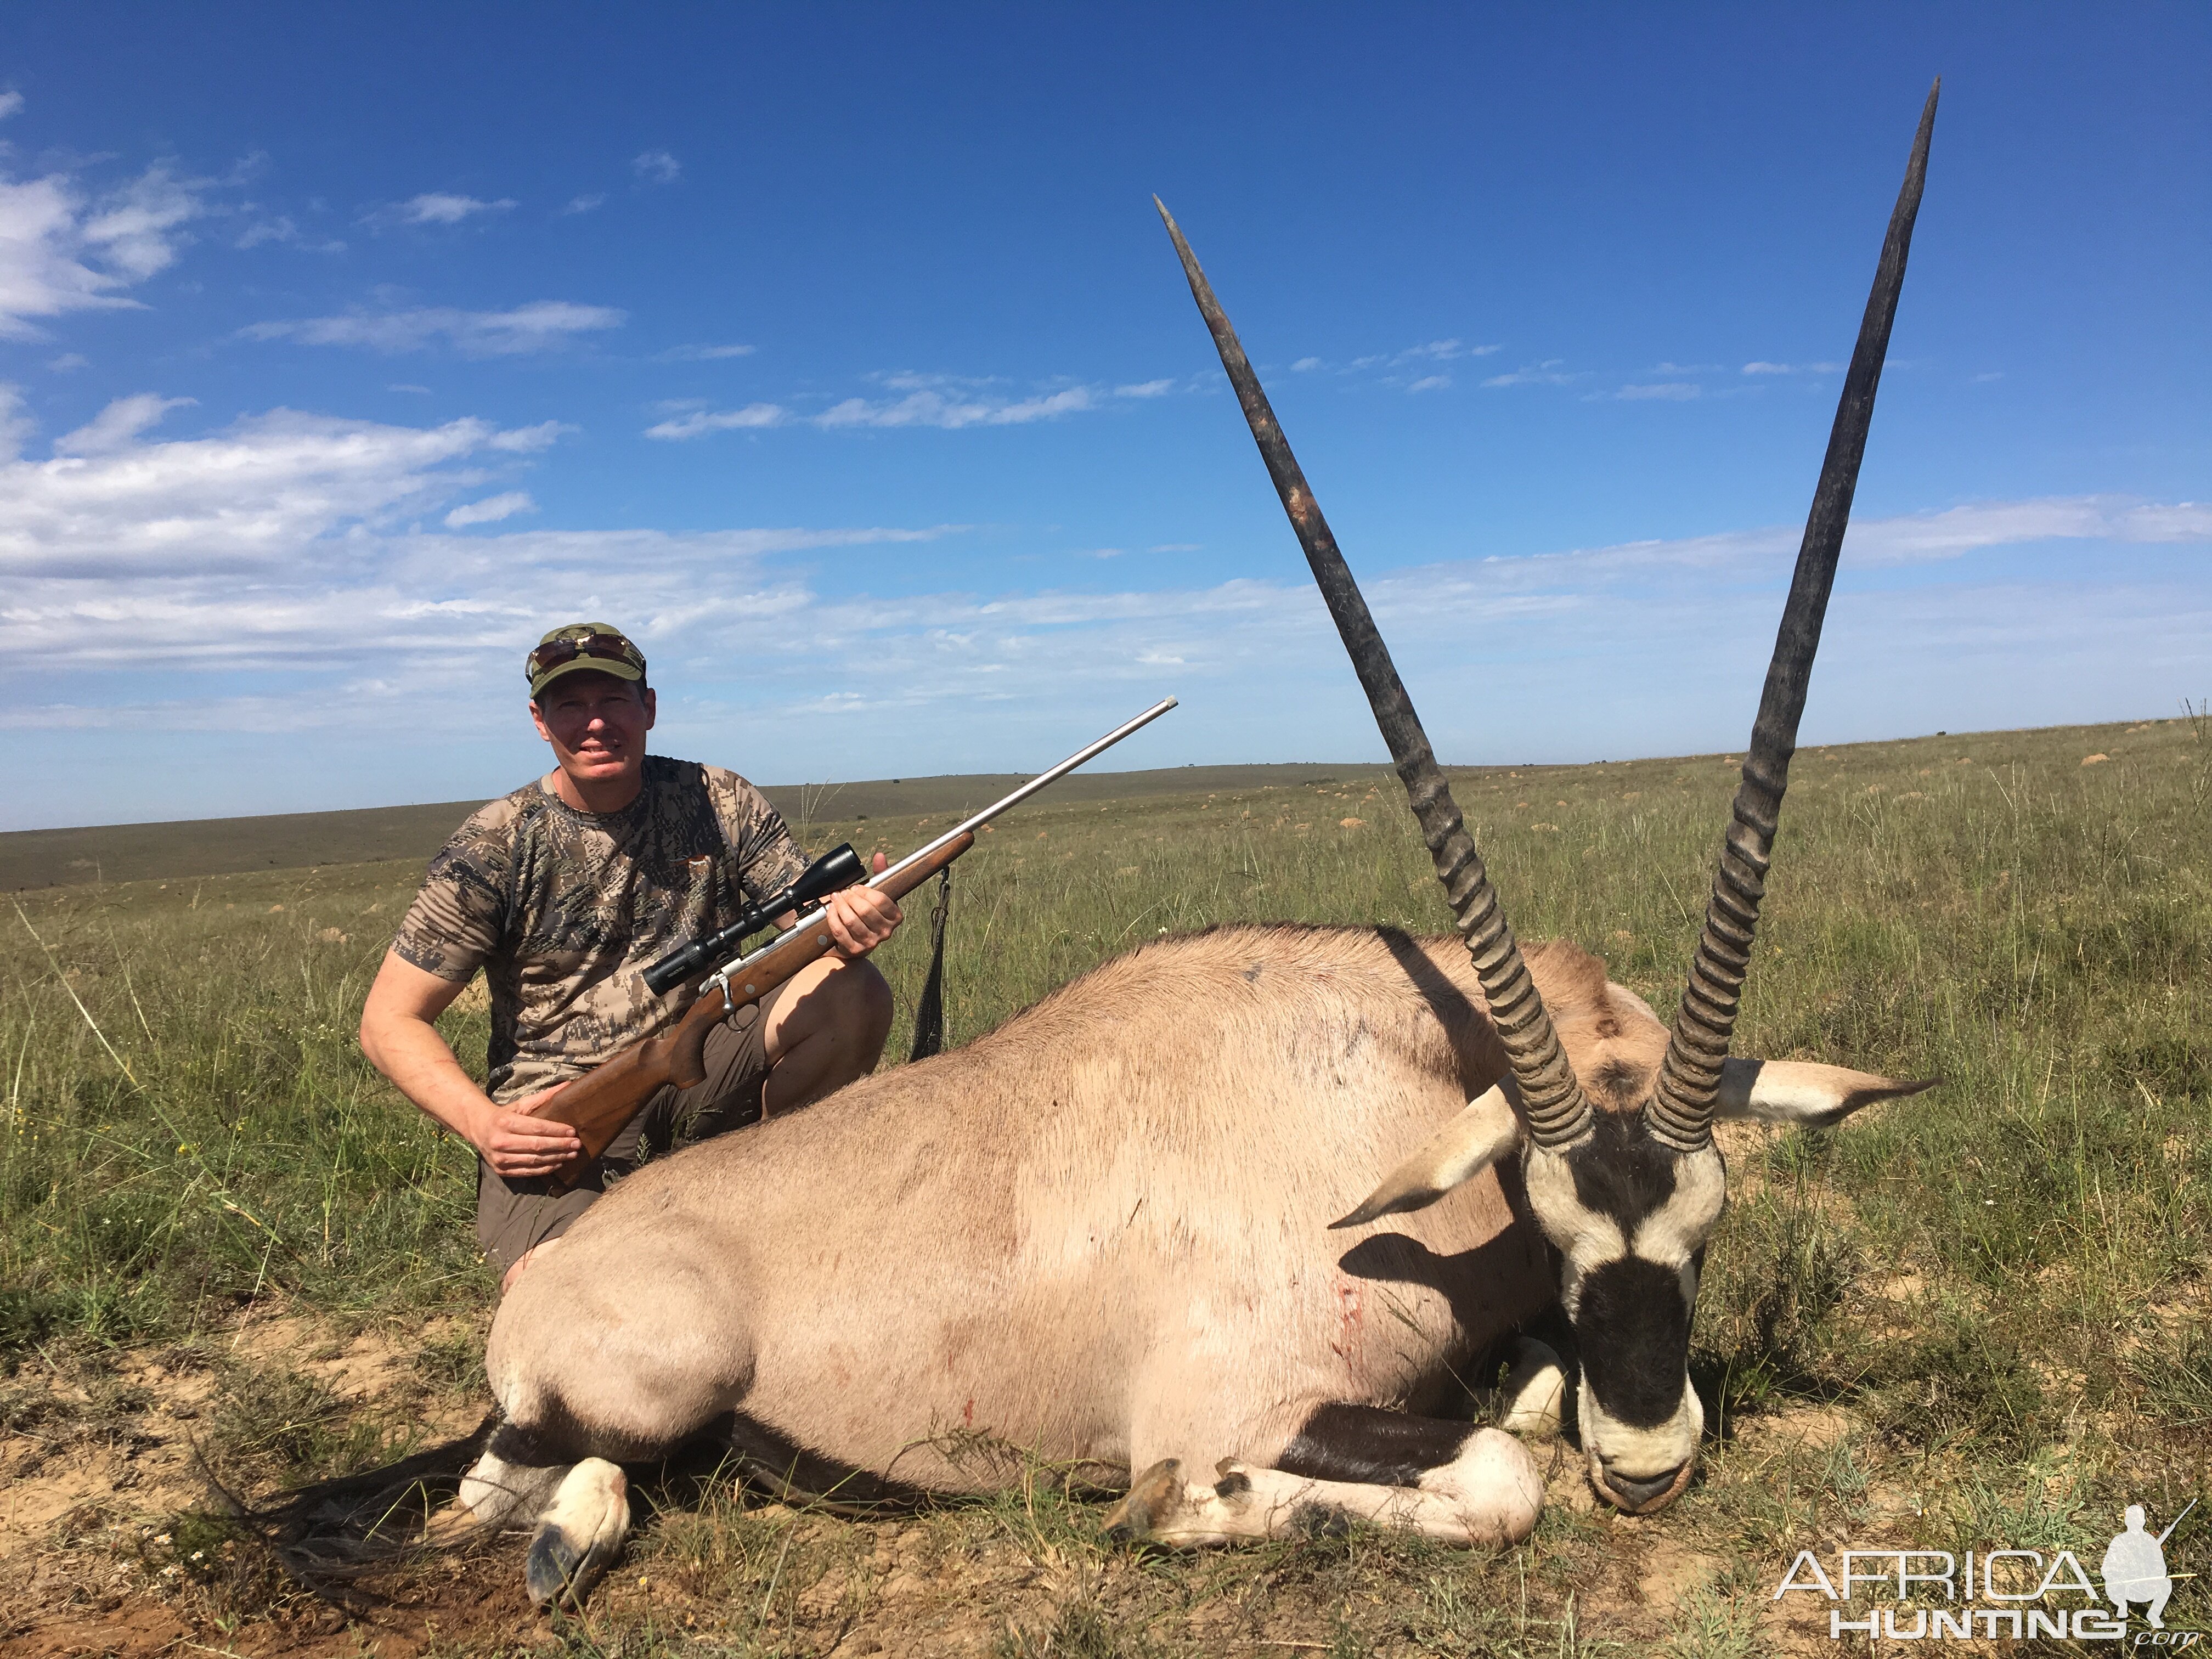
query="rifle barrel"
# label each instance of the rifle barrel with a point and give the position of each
(969, 826)
(1029, 788)
(2178, 1520)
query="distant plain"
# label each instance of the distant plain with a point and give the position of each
(287, 841)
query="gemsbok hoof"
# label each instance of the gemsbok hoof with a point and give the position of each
(1152, 1497)
(580, 1537)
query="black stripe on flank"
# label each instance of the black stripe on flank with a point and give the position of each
(793, 1471)
(1634, 1330)
(1374, 1447)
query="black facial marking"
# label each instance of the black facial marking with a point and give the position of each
(1367, 1444)
(1619, 1171)
(1634, 1331)
(1620, 1083)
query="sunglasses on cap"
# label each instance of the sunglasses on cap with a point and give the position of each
(555, 653)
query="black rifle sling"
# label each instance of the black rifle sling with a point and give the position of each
(929, 1013)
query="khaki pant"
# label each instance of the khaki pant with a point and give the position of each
(515, 1216)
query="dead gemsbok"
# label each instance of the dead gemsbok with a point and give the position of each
(1105, 1235)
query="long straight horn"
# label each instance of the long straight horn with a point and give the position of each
(1681, 1110)
(1558, 1113)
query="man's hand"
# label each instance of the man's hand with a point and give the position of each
(518, 1144)
(861, 918)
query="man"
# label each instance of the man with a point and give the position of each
(562, 893)
(2135, 1569)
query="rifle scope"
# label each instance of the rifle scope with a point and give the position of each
(837, 868)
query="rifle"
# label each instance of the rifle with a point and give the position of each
(598, 1104)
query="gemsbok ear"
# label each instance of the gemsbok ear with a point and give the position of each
(1474, 1140)
(1798, 1092)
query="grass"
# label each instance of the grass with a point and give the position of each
(1978, 1314)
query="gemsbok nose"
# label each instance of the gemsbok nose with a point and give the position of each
(1636, 1496)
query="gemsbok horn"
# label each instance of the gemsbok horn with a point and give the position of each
(1680, 1114)
(1558, 1111)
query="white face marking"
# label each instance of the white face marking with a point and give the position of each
(1669, 1237)
(1674, 1232)
(1642, 1454)
(1585, 1239)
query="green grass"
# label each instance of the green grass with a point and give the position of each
(2000, 1286)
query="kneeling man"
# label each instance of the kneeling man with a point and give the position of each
(563, 893)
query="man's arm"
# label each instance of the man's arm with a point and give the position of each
(399, 1035)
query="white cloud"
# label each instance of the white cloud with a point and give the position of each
(1176, 547)
(703, 354)
(491, 509)
(1547, 372)
(437, 207)
(1791, 368)
(1958, 530)
(930, 408)
(262, 495)
(538, 326)
(1674, 391)
(949, 403)
(699, 423)
(287, 544)
(1412, 361)
(584, 203)
(406, 385)
(132, 223)
(9, 103)
(62, 251)
(69, 361)
(117, 426)
(657, 166)
(283, 232)
(15, 421)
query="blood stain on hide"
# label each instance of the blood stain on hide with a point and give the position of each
(1351, 1327)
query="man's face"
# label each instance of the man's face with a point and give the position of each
(597, 725)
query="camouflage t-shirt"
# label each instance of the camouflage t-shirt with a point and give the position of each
(564, 910)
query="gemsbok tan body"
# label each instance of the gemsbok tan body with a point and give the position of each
(1099, 1237)
(1113, 1234)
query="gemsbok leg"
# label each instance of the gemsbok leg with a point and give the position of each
(1452, 1481)
(582, 1508)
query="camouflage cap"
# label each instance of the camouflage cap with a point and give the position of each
(599, 647)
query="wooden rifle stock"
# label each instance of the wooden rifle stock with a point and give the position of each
(598, 1104)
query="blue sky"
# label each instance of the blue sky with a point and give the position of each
(838, 354)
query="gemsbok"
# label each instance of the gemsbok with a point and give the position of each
(1106, 1235)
